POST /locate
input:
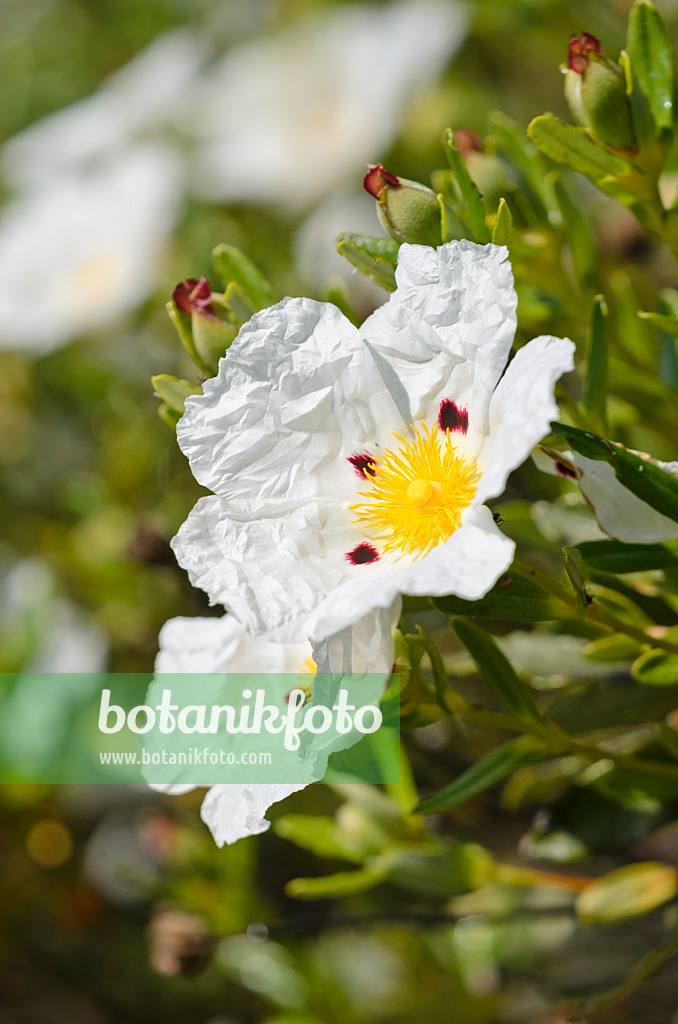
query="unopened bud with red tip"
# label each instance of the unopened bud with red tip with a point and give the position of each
(408, 210)
(595, 91)
(212, 335)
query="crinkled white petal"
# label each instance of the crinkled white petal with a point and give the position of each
(272, 564)
(618, 511)
(366, 646)
(468, 565)
(233, 812)
(101, 240)
(316, 100)
(140, 96)
(446, 332)
(522, 409)
(222, 645)
(297, 395)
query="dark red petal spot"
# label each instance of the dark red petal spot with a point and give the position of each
(362, 555)
(452, 417)
(564, 470)
(363, 463)
(377, 178)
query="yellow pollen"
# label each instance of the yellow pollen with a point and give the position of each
(418, 493)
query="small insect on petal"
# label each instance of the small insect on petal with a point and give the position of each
(362, 555)
(451, 417)
(363, 463)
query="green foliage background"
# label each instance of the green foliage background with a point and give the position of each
(467, 914)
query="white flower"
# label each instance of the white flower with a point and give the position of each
(352, 465)
(85, 247)
(210, 645)
(138, 99)
(618, 511)
(286, 119)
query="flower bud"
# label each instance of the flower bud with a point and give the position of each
(212, 336)
(409, 211)
(595, 91)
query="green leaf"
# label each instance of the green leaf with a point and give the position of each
(662, 321)
(574, 148)
(526, 158)
(471, 197)
(169, 416)
(614, 556)
(580, 238)
(497, 671)
(627, 892)
(656, 668)
(651, 62)
(451, 226)
(174, 391)
(494, 767)
(436, 871)
(501, 232)
(238, 303)
(616, 647)
(595, 386)
(648, 482)
(513, 597)
(645, 969)
(320, 834)
(233, 265)
(344, 883)
(182, 324)
(576, 571)
(375, 257)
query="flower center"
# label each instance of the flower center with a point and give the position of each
(418, 493)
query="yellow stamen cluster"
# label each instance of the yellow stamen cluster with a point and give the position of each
(418, 493)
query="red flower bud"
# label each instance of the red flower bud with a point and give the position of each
(377, 178)
(193, 296)
(580, 51)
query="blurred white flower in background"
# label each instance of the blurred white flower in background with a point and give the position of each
(86, 246)
(288, 118)
(139, 99)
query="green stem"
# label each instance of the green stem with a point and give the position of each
(593, 611)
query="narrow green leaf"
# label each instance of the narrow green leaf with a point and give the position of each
(662, 321)
(580, 237)
(501, 232)
(574, 148)
(656, 668)
(445, 697)
(528, 161)
(238, 303)
(497, 671)
(438, 871)
(652, 484)
(649, 51)
(512, 598)
(615, 647)
(451, 226)
(344, 883)
(471, 197)
(320, 834)
(494, 767)
(374, 257)
(233, 265)
(645, 969)
(174, 391)
(595, 386)
(169, 416)
(576, 571)
(614, 556)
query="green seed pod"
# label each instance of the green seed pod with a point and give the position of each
(408, 210)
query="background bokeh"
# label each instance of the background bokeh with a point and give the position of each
(248, 122)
